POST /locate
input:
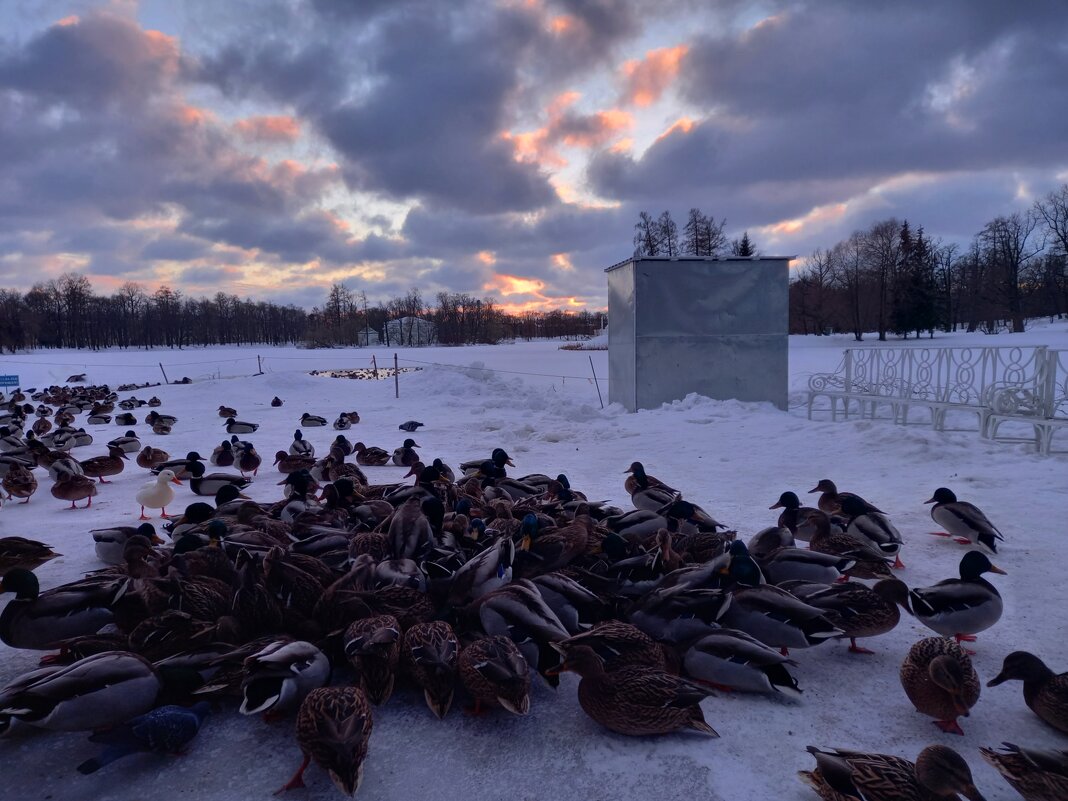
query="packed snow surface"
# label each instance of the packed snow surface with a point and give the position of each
(732, 458)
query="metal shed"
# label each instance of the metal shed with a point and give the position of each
(717, 327)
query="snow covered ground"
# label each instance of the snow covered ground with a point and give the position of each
(732, 458)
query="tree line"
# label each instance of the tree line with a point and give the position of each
(701, 235)
(66, 312)
(891, 279)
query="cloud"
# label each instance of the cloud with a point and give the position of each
(645, 80)
(268, 129)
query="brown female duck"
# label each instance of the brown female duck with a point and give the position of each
(636, 700)
(939, 679)
(110, 465)
(1045, 692)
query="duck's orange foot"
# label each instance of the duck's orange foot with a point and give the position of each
(949, 726)
(856, 649)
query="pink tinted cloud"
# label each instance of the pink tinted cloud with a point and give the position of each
(646, 79)
(277, 129)
(565, 126)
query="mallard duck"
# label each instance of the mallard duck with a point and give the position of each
(636, 700)
(939, 679)
(638, 479)
(519, 611)
(1044, 691)
(154, 417)
(128, 442)
(301, 446)
(226, 411)
(276, 402)
(110, 465)
(546, 551)
(312, 420)
(777, 618)
(278, 677)
(963, 521)
(1036, 775)
(409, 425)
(125, 419)
(161, 426)
(963, 607)
(110, 543)
(770, 539)
(156, 494)
(151, 458)
(342, 423)
(333, 728)
(233, 426)
(288, 463)
(166, 730)
(182, 468)
(409, 532)
(19, 552)
(74, 487)
(20, 482)
(873, 527)
(939, 773)
(831, 499)
(484, 572)
(444, 470)
(372, 646)
(800, 564)
(495, 672)
(223, 454)
(679, 614)
(248, 460)
(576, 607)
(733, 660)
(870, 562)
(859, 611)
(93, 693)
(405, 455)
(430, 654)
(98, 419)
(499, 459)
(202, 483)
(619, 645)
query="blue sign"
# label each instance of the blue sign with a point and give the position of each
(9, 381)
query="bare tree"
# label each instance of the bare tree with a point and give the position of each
(1011, 243)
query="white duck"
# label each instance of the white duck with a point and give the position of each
(156, 494)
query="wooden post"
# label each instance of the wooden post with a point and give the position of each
(259, 365)
(165, 379)
(396, 377)
(374, 366)
(595, 382)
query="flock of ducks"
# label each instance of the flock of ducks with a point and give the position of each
(322, 603)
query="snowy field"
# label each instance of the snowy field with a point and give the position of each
(732, 458)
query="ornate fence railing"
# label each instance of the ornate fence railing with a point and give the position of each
(998, 384)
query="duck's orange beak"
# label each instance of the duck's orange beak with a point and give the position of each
(776, 505)
(176, 481)
(998, 570)
(932, 500)
(814, 489)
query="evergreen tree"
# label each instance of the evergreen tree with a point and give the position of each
(743, 248)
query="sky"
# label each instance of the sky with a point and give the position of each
(270, 148)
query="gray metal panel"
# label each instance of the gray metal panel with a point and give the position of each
(710, 326)
(752, 367)
(621, 336)
(692, 298)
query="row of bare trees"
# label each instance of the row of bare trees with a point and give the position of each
(346, 318)
(66, 313)
(888, 279)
